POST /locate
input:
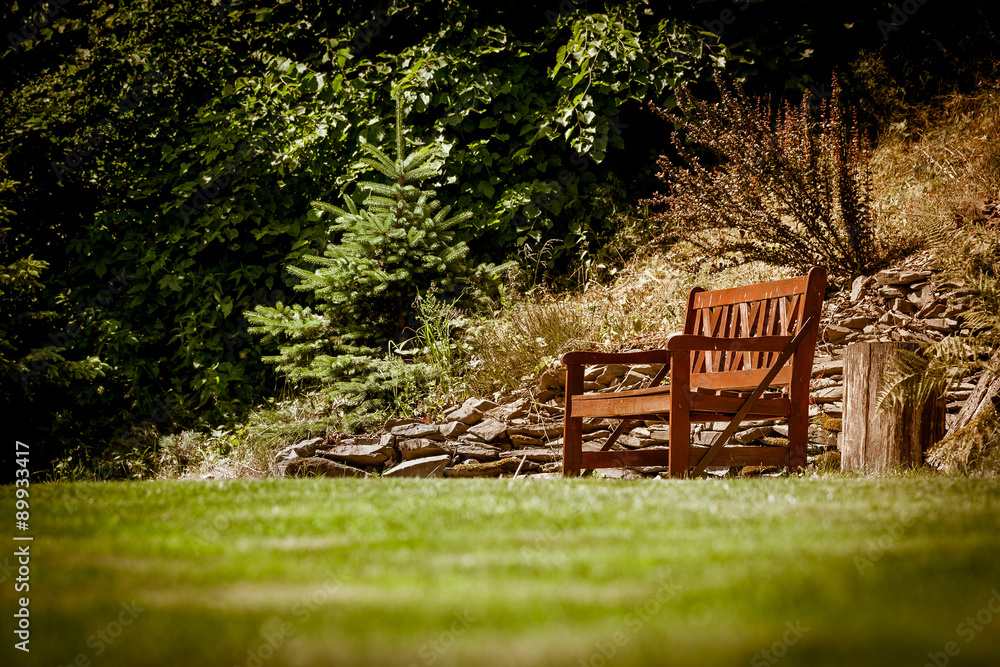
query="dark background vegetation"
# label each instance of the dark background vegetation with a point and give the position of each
(135, 325)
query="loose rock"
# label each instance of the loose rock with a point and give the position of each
(453, 429)
(489, 469)
(510, 411)
(304, 449)
(466, 414)
(537, 454)
(471, 450)
(431, 466)
(750, 435)
(519, 440)
(537, 430)
(365, 455)
(480, 404)
(418, 430)
(489, 430)
(416, 448)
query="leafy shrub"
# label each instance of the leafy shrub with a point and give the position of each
(784, 188)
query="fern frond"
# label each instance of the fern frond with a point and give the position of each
(903, 382)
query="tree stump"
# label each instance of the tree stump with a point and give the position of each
(877, 440)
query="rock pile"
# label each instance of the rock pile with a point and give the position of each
(521, 434)
(908, 303)
(901, 304)
(479, 438)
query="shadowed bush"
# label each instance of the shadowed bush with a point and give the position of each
(789, 188)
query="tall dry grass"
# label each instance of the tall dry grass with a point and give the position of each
(638, 310)
(923, 174)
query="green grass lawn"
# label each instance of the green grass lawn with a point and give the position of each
(483, 572)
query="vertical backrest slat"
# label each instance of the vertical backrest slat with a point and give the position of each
(800, 308)
(793, 313)
(727, 327)
(745, 361)
(714, 316)
(756, 326)
(692, 315)
(738, 330)
(697, 322)
(727, 323)
(771, 327)
(732, 331)
(765, 328)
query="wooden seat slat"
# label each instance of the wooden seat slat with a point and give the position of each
(610, 405)
(730, 456)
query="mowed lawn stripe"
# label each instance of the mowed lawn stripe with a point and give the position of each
(485, 572)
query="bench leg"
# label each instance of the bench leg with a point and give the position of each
(798, 419)
(798, 439)
(572, 426)
(572, 447)
(680, 414)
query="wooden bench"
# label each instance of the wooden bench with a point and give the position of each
(737, 345)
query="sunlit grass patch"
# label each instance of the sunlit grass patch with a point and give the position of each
(543, 572)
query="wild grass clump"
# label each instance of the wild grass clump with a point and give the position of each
(525, 338)
(789, 188)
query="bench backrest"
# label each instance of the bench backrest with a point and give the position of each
(776, 308)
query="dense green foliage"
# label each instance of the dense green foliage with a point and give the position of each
(35, 368)
(396, 248)
(174, 147)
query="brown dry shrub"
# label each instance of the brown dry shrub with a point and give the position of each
(783, 188)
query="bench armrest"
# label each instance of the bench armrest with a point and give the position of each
(596, 358)
(692, 342)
